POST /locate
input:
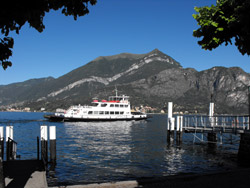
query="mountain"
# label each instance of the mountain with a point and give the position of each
(23, 91)
(150, 79)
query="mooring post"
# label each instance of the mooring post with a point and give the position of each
(179, 125)
(2, 182)
(52, 141)
(171, 121)
(211, 136)
(248, 126)
(9, 134)
(244, 148)
(211, 113)
(1, 142)
(38, 150)
(44, 143)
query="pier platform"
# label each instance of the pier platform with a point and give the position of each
(24, 173)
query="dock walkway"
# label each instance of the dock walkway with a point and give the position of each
(214, 124)
(24, 173)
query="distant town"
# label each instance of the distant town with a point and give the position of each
(144, 109)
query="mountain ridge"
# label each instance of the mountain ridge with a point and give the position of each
(151, 79)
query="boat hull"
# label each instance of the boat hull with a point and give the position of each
(54, 118)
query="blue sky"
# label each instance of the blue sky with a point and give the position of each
(113, 27)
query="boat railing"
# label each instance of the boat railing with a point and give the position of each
(118, 98)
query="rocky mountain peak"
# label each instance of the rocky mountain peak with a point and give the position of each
(157, 56)
(155, 51)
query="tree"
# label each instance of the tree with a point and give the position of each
(228, 21)
(15, 13)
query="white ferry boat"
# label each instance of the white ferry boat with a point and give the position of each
(117, 108)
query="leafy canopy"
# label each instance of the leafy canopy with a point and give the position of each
(228, 20)
(15, 13)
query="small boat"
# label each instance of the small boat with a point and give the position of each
(116, 108)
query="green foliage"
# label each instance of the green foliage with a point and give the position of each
(5, 52)
(228, 20)
(14, 14)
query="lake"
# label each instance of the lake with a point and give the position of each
(114, 151)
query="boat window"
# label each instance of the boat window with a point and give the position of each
(126, 106)
(95, 112)
(116, 112)
(90, 112)
(95, 104)
(103, 105)
(121, 112)
(101, 112)
(121, 105)
(112, 112)
(112, 105)
(117, 105)
(106, 112)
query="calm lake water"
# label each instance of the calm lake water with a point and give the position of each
(115, 151)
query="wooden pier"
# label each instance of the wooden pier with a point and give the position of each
(215, 124)
(210, 124)
(26, 173)
(209, 127)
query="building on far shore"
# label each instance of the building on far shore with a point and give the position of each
(26, 109)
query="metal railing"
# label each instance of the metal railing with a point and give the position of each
(230, 124)
(11, 149)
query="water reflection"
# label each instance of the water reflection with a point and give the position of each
(104, 140)
(174, 159)
(98, 150)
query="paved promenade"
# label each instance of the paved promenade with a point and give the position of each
(24, 173)
(229, 179)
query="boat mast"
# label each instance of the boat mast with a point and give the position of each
(116, 92)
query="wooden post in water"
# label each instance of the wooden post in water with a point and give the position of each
(170, 128)
(38, 150)
(211, 114)
(1, 142)
(44, 143)
(244, 149)
(2, 182)
(9, 134)
(211, 137)
(52, 141)
(179, 125)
